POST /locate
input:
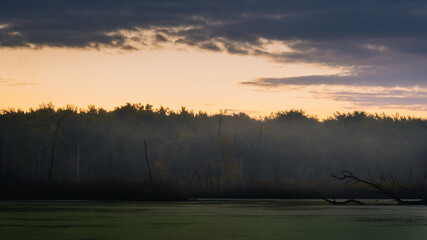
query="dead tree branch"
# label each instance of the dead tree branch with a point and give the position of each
(147, 157)
(381, 184)
(334, 202)
(55, 139)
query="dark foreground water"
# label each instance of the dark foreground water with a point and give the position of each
(270, 220)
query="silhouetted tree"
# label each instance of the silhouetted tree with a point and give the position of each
(386, 184)
(204, 152)
(55, 140)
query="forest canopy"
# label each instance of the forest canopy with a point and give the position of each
(204, 151)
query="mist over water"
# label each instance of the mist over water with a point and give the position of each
(205, 152)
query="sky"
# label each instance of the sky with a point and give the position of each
(248, 56)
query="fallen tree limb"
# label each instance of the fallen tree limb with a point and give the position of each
(380, 184)
(334, 202)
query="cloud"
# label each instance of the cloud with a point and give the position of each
(14, 83)
(376, 36)
(237, 111)
(303, 80)
(380, 90)
(406, 98)
(210, 46)
(307, 24)
(161, 38)
(405, 74)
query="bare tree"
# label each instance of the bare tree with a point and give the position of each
(335, 202)
(3, 158)
(247, 177)
(221, 151)
(78, 163)
(196, 170)
(384, 183)
(55, 139)
(147, 157)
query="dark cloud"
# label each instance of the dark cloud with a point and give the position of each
(161, 38)
(210, 46)
(362, 80)
(303, 80)
(128, 47)
(378, 36)
(236, 49)
(78, 23)
(386, 98)
(379, 90)
(391, 74)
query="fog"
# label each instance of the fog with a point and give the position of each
(203, 151)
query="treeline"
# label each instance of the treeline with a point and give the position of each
(204, 153)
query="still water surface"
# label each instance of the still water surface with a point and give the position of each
(292, 219)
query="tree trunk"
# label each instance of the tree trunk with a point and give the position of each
(147, 157)
(33, 167)
(52, 156)
(110, 163)
(3, 159)
(39, 163)
(196, 170)
(220, 158)
(91, 163)
(334, 202)
(254, 156)
(78, 162)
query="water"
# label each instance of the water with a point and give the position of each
(233, 219)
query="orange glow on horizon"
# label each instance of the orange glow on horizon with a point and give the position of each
(198, 80)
